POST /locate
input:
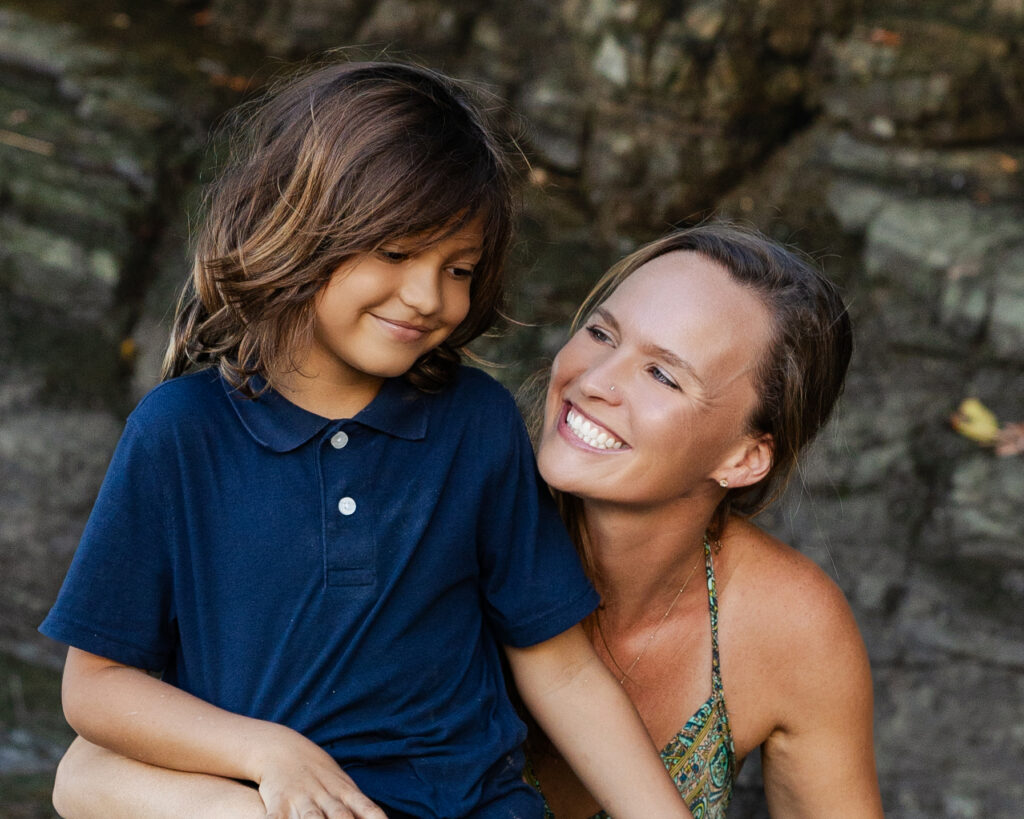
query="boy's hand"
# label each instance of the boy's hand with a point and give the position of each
(300, 779)
(137, 716)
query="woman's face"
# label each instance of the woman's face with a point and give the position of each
(648, 401)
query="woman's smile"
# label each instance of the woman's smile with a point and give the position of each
(580, 428)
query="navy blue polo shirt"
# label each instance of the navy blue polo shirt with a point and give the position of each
(351, 579)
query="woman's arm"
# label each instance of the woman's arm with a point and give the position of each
(94, 783)
(133, 714)
(594, 725)
(819, 760)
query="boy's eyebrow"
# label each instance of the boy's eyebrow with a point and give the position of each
(472, 246)
(654, 350)
(410, 244)
(473, 243)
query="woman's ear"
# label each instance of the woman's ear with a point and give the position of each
(751, 463)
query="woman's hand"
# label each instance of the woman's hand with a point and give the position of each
(299, 779)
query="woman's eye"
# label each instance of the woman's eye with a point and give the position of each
(659, 375)
(598, 334)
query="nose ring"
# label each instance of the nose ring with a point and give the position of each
(611, 388)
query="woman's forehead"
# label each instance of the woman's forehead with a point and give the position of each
(692, 306)
(688, 284)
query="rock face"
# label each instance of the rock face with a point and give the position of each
(885, 137)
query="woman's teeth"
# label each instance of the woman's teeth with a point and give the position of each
(591, 434)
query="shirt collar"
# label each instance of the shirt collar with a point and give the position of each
(399, 409)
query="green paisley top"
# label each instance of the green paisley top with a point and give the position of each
(700, 758)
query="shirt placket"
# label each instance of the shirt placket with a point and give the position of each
(347, 506)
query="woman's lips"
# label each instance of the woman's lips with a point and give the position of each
(588, 432)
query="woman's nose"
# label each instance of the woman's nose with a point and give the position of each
(603, 380)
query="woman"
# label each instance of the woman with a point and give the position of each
(700, 366)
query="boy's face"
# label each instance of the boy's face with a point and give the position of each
(381, 311)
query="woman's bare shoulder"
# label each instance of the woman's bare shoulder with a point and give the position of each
(778, 585)
(789, 643)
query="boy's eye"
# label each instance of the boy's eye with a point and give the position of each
(392, 255)
(461, 272)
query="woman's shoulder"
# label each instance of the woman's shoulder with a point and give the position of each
(791, 650)
(777, 580)
(790, 619)
(790, 644)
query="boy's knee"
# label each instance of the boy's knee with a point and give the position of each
(72, 778)
(61, 784)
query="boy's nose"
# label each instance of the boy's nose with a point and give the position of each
(421, 288)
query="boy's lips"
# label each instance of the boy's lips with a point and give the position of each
(583, 429)
(404, 330)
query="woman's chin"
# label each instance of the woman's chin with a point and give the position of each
(552, 468)
(562, 472)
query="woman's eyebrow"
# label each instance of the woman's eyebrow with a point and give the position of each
(607, 318)
(672, 360)
(654, 350)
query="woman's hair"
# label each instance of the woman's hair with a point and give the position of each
(326, 167)
(802, 370)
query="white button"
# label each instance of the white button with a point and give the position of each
(339, 439)
(346, 506)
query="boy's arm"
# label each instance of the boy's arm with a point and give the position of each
(127, 711)
(94, 783)
(594, 725)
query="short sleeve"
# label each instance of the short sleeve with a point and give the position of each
(534, 584)
(116, 597)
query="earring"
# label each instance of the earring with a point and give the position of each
(723, 483)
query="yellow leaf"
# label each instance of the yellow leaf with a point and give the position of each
(975, 421)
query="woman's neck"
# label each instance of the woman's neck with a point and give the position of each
(642, 555)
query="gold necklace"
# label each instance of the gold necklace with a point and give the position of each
(657, 628)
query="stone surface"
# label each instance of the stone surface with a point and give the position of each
(94, 145)
(886, 138)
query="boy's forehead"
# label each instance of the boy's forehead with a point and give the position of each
(468, 233)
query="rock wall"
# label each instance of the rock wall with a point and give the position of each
(886, 138)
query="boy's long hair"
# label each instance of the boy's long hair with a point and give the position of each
(324, 168)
